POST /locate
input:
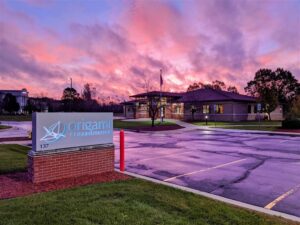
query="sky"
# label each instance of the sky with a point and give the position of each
(119, 46)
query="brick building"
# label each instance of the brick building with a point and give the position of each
(215, 105)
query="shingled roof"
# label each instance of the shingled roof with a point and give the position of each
(157, 93)
(211, 95)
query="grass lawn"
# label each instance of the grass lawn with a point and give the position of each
(136, 124)
(13, 158)
(15, 117)
(127, 202)
(244, 125)
(2, 127)
(263, 128)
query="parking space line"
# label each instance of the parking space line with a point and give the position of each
(205, 170)
(163, 156)
(282, 197)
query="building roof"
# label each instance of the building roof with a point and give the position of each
(209, 95)
(157, 93)
(15, 92)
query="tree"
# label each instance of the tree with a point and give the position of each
(232, 89)
(218, 85)
(274, 88)
(196, 86)
(10, 103)
(288, 88)
(70, 97)
(30, 107)
(264, 87)
(146, 85)
(270, 100)
(90, 106)
(295, 110)
(154, 104)
(87, 93)
(1, 105)
(70, 94)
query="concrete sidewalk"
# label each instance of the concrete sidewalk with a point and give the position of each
(188, 126)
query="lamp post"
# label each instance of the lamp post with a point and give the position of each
(206, 117)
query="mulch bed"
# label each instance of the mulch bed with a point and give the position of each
(14, 139)
(157, 128)
(297, 131)
(17, 184)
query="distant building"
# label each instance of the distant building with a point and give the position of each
(21, 97)
(215, 105)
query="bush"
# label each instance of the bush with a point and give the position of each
(291, 124)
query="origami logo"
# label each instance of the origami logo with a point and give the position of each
(54, 133)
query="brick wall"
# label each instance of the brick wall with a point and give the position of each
(49, 167)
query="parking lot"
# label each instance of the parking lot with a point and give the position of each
(258, 169)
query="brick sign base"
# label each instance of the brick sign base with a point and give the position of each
(70, 163)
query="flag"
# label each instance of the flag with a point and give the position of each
(161, 79)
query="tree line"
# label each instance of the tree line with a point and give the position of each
(216, 84)
(71, 101)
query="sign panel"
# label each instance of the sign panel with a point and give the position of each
(258, 107)
(65, 130)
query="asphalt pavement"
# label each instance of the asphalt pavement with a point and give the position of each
(259, 169)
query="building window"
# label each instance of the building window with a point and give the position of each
(143, 107)
(205, 109)
(255, 109)
(219, 109)
(177, 109)
(250, 109)
(193, 109)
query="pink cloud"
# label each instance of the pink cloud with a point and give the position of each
(201, 41)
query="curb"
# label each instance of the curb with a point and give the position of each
(251, 132)
(218, 198)
(10, 139)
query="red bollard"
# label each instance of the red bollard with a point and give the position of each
(122, 153)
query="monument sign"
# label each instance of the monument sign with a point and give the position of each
(53, 131)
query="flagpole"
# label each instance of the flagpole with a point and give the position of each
(161, 108)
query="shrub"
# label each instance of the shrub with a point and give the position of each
(291, 124)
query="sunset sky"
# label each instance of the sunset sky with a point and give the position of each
(119, 45)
